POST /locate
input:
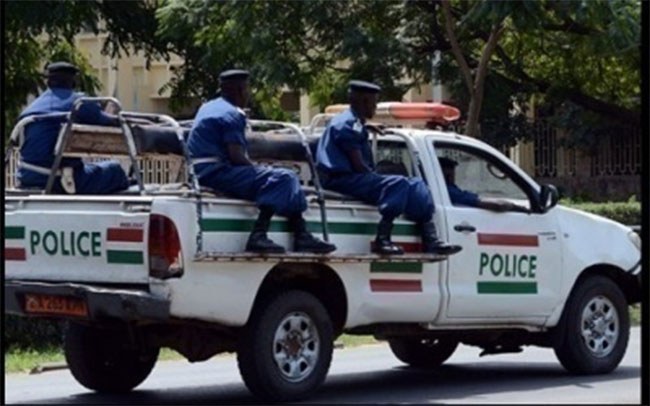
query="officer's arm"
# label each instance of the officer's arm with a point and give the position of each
(237, 155)
(91, 113)
(500, 205)
(356, 160)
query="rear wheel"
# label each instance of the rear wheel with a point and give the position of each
(102, 359)
(286, 348)
(595, 328)
(423, 352)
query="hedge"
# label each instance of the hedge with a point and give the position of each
(40, 333)
(628, 213)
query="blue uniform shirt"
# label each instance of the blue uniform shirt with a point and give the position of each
(344, 132)
(462, 197)
(41, 136)
(216, 124)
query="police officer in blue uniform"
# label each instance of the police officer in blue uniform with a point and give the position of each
(218, 148)
(345, 163)
(37, 151)
(460, 197)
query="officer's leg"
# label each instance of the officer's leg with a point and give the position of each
(244, 182)
(388, 192)
(420, 208)
(100, 178)
(280, 190)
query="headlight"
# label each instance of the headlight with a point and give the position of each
(636, 240)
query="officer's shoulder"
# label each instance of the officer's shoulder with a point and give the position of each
(345, 119)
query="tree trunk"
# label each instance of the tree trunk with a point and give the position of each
(475, 85)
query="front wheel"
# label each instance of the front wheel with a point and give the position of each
(286, 348)
(595, 328)
(422, 352)
(104, 361)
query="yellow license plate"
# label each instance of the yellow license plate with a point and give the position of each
(50, 304)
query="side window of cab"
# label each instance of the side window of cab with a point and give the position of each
(472, 175)
(393, 158)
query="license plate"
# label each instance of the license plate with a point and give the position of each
(49, 304)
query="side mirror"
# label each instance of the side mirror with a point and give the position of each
(548, 197)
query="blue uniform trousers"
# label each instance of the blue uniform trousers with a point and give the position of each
(393, 194)
(276, 188)
(90, 179)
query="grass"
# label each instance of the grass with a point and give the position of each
(20, 360)
(635, 314)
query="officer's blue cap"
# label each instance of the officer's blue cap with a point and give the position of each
(233, 74)
(364, 87)
(61, 67)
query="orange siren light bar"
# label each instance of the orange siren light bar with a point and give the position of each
(407, 112)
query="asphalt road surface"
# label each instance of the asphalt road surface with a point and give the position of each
(368, 374)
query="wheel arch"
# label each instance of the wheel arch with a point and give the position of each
(625, 281)
(318, 279)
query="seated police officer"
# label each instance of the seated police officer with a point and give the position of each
(345, 163)
(218, 148)
(37, 151)
(462, 197)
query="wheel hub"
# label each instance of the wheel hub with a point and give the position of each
(600, 326)
(296, 346)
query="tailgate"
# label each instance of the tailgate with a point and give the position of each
(77, 238)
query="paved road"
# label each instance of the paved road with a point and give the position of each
(368, 374)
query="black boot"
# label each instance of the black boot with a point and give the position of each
(304, 241)
(383, 244)
(258, 241)
(432, 244)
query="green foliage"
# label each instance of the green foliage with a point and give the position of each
(582, 59)
(628, 213)
(314, 45)
(31, 333)
(39, 31)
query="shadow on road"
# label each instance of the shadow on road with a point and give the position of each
(400, 384)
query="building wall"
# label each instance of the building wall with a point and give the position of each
(128, 79)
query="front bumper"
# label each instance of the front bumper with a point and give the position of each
(102, 303)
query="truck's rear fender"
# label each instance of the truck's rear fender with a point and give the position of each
(317, 279)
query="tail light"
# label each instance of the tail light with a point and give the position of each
(165, 256)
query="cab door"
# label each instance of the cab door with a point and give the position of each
(511, 263)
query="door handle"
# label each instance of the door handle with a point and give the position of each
(464, 227)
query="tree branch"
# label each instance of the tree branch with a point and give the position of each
(487, 53)
(455, 48)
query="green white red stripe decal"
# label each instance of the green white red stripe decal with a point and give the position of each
(510, 240)
(383, 280)
(395, 285)
(119, 241)
(125, 234)
(14, 236)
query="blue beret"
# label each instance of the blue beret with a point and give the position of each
(361, 86)
(61, 67)
(233, 74)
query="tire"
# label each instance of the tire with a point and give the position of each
(594, 328)
(422, 352)
(101, 360)
(275, 364)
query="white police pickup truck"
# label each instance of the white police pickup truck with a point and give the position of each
(163, 266)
